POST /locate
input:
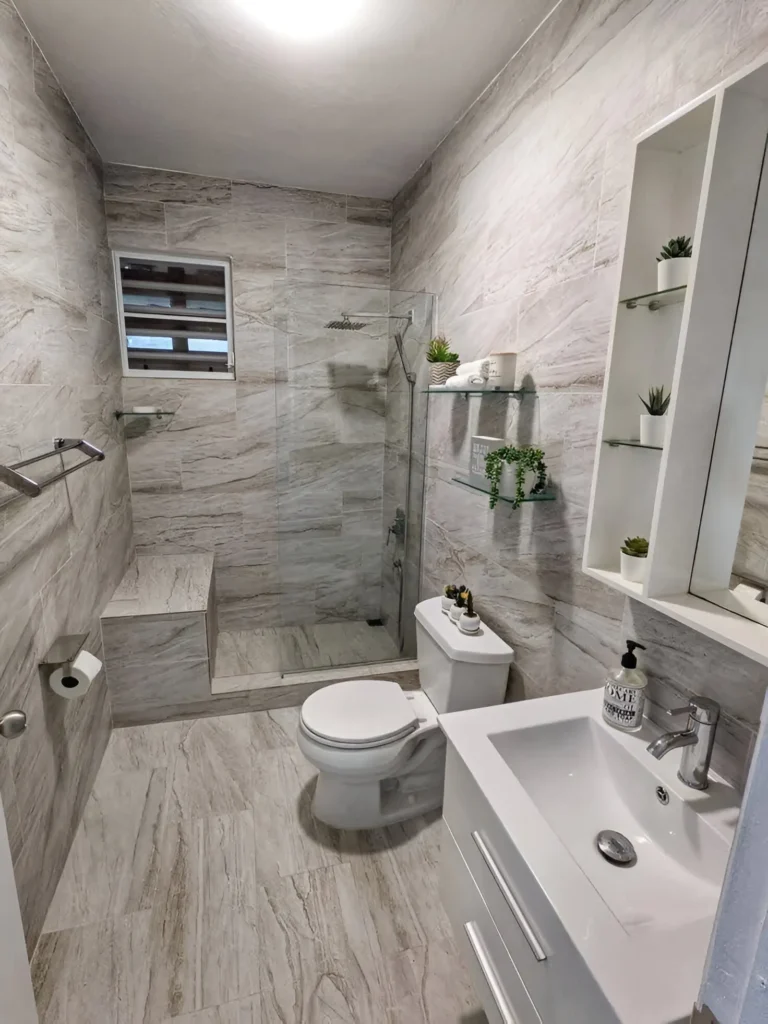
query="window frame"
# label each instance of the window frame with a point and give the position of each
(175, 257)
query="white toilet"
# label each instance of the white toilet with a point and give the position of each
(379, 750)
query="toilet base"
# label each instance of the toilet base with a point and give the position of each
(367, 805)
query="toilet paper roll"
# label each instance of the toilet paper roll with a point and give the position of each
(75, 679)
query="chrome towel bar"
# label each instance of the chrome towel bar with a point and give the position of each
(25, 485)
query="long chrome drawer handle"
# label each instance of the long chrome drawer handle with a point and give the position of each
(483, 960)
(509, 897)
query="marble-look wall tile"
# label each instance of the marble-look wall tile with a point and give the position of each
(61, 554)
(300, 434)
(515, 222)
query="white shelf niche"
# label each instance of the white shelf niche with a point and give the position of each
(666, 200)
(716, 145)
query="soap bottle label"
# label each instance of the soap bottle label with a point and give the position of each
(623, 706)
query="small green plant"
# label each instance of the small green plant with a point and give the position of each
(675, 249)
(470, 610)
(657, 403)
(451, 591)
(635, 546)
(439, 351)
(526, 460)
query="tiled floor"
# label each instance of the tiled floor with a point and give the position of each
(200, 891)
(296, 648)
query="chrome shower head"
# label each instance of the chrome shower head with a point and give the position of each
(345, 324)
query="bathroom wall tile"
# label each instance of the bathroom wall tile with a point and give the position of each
(290, 203)
(227, 231)
(62, 553)
(144, 184)
(369, 211)
(132, 224)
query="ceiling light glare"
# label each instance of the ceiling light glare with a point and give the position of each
(304, 19)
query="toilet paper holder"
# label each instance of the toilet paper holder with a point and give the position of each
(62, 651)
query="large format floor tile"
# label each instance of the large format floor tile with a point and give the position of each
(199, 890)
(295, 648)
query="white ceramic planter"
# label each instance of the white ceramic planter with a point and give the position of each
(446, 604)
(502, 367)
(440, 372)
(508, 481)
(673, 273)
(632, 568)
(653, 430)
(469, 625)
(455, 613)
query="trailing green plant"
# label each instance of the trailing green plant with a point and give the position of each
(675, 249)
(635, 546)
(526, 459)
(657, 403)
(439, 351)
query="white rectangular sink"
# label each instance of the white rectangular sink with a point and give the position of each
(555, 775)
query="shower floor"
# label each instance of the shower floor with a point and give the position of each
(257, 658)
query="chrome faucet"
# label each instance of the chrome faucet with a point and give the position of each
(697, 740)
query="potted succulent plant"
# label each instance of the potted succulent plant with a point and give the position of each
(448, 599)
(674, 262)
(470, 620)
(634, 553)
(459, 605)
(653, 423)
(444, 363)
(515, 473)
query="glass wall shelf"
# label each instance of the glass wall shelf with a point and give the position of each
(616, 442)
(655, 300)
(545, 496)
(478, 391)
(128, 413)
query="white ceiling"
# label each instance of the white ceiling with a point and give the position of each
(203, 86)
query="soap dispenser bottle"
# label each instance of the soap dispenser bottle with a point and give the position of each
(624, 695)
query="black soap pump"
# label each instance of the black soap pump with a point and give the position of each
(624, 695)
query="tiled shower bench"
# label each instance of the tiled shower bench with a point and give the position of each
(159, 633)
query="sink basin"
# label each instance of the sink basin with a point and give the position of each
(583, 779)
(554, 775)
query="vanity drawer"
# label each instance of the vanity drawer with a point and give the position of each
(494, 976)
(551, 968)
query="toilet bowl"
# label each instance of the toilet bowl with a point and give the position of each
(379, 751)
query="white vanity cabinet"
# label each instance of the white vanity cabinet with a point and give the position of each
(523, 964)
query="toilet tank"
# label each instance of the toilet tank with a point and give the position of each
(458, 671)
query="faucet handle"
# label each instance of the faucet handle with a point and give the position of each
(701, 709)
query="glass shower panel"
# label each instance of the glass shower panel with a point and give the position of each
(405, 463)
(348, 558)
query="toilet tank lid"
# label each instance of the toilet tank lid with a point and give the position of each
(483, 648)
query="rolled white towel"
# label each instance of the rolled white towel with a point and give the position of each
(478, 368)
(465, 380)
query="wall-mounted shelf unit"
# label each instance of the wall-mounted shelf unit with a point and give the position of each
(698, 173)
(544, 496)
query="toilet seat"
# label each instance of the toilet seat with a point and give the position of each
(359, 714)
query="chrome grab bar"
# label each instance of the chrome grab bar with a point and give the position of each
(485, 965)
(509, 898)
(25, 485)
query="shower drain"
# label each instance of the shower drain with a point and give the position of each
(616, 848)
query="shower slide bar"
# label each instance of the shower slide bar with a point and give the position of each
(25, 485)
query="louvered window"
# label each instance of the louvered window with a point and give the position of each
(175, 316)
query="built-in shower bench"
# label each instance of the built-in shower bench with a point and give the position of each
(159, 633)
